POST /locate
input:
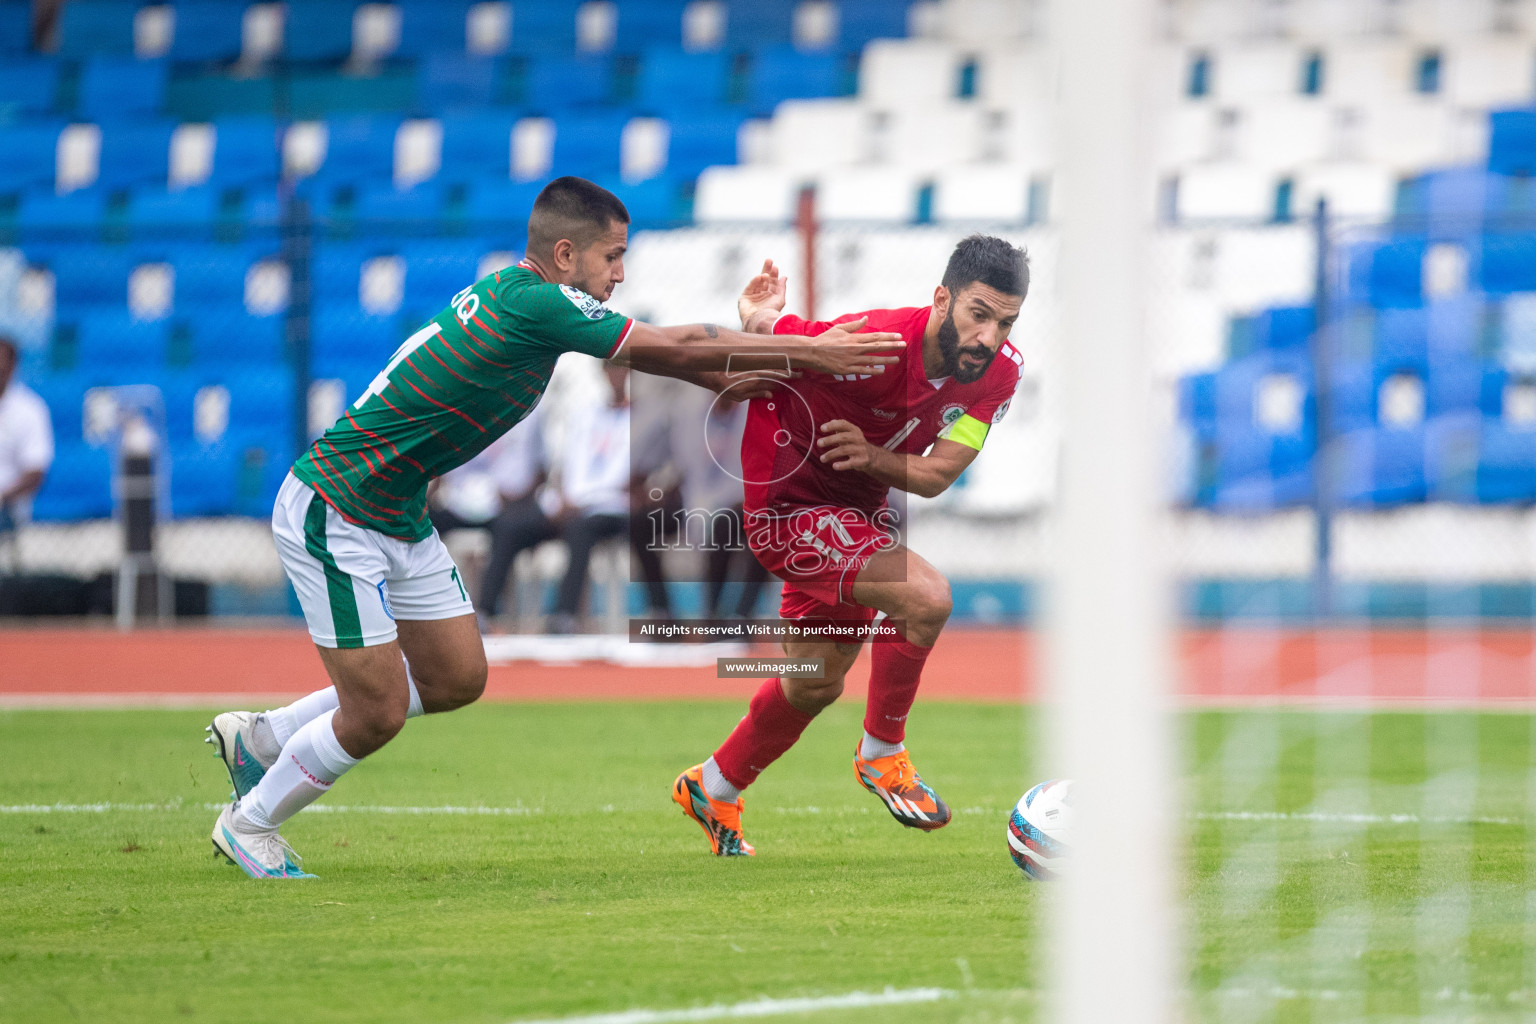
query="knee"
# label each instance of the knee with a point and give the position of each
(812, 695)
(931, 604)
(380, 725)
(465, 686)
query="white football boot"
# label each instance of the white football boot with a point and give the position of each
(231, 736)
(259, 852)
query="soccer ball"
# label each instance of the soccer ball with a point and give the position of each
(1040, 830)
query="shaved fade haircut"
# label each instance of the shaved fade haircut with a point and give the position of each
(575, 209)
(991, 261)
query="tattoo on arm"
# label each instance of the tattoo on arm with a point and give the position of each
(712, 330)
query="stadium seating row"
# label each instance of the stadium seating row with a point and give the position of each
(335, 30)
(659, 81)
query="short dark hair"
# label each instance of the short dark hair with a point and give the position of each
(572, 208)
(991, 261)
(8, 344)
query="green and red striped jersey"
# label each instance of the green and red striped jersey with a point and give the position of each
(452, 388)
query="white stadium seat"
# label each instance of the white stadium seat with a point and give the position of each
(1257, 73)
(1352, 189)
(815, 134)
(982, 192)
(1408, 135)
(1490, 73)
(418, 151)
(897, 73)
(1445, 20)
(1026, 136)
(1010, 75)
(883, 194)
(1323, 21)
(1185, 134)
(763, 194)
(927, 138)
(1368, 72)
(1226, 191)
(1283, 134)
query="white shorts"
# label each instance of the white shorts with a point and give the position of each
(354, 582)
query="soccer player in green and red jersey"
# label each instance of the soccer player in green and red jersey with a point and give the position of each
(382, 598)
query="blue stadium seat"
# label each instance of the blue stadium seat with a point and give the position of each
(1237, 381)
(265, 458)
(189, 214)
(1244, 469)
(429, 26)
(1450, 456)
(64, 394)
(91, 28)
(436, 271)
(207, 97)
(15, 27)
(860, 21)
(87, 275)
(652, 203)
(784, 73)
(27, 158)
(207, 30)
(359, 147)
(388, 208)
(1454, 385)
(501, 204)
(1281, 327)
(355, 373)
(46, 215)
(1197, 402)
(1512, 145)
(210, 274)
(1382, 466)
(135, 154)
(116, 88)
(544, 26)
(318, 30)
(334, 272)
(557, 83)
(701, 140)
(477, 145)
(1457, 197)
(347, 333)
(588, 144)
(78, 486)
(245, 150)
(449, 80)
(1387, 274)
(261, 402)
(759, 23)
(1506, 470)
(204, 478)
(647, 23)
(109, 342)
(28, 85)
(225, 336)
(674, 80)
(1506, 263)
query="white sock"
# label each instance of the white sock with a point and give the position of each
(284, 722)
(311, 761)
(872, 747)
(716, 785)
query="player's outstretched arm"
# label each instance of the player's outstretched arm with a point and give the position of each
(841, 350)
(843, 447)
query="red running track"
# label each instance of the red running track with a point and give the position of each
(1241, 665)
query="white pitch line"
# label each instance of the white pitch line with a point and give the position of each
(760, 1008)
(519, 812)
(1349, 819)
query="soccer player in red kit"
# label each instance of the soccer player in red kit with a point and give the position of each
(819, 458)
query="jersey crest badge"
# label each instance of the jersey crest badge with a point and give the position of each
(1002, 410)
(590, 307)
(950, 413)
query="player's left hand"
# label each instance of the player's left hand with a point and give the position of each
(843, 445)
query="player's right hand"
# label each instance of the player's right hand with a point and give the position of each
(764, 292)
(843, 350)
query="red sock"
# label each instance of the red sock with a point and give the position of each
(772, 726)
(893, 677)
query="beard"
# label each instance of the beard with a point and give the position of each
(949, 348)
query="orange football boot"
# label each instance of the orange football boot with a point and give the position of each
(909, 799)
(719, 820)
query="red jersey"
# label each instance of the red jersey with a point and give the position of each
(900, 409)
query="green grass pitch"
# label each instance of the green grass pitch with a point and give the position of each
(1339, 867)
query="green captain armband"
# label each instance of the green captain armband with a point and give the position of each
(966, 430)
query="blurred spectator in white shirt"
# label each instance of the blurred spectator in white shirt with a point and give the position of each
(26, 443)
(499, 490)
(593, 498)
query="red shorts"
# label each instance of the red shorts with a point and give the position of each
(818, 552)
